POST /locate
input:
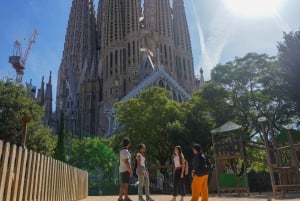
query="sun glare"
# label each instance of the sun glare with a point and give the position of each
(254, 8)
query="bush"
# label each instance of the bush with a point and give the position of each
(259, 181)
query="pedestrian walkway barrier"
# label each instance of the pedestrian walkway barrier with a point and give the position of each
(29, 176)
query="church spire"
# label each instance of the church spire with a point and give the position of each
(41, 93)
(183, 54)
(201, 81)
(48, 102)
(80, 51)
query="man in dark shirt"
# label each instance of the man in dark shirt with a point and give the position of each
(200, 175)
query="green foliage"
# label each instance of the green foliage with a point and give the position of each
(60, 151)
(288, 53)
(212, 101)
(92, 154)
(254, 87)
(40, 139)
(259, 181)
(97, 157)
(196, 126)
(244, 90)
(15, 103)
(149, 119)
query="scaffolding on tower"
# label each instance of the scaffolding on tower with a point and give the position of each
(18, 60)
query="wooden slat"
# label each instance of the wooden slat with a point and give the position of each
(54, 182)
(4, 164)
(17, 170)
(1, 150)
(45, 180)
(28, 176)
(22, 175)
(40, 179)
(58, 176)
(10, 173)
(36, 177)
(65, 192)
(50, 183)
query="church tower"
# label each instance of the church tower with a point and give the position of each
(118, 23)
(158, 23)
(104, 61)
(75, 85)
(183, 51)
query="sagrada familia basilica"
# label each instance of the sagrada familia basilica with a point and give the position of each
(111, 56)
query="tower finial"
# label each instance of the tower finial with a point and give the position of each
(49, 82)
(201, 71)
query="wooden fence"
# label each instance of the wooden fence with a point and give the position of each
(29, 176)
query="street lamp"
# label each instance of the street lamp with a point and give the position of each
(25, 120)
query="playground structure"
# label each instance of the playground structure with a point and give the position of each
(230, 158)
(283, 156)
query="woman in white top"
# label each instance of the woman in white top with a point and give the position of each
(143, 175)
(179, 173)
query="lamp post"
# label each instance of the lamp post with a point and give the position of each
(25, 120)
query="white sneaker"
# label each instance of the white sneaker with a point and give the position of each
(174, 199)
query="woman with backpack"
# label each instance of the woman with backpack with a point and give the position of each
(179, 173)
(200, 173)
(142, 173)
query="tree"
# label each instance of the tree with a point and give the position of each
(289, 60)
(60, 151)
(95, 156)
(244, 90)
(196, 125)
(255, 87)
(15, 103)
(148, 119)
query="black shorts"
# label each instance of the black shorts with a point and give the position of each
(125, 176)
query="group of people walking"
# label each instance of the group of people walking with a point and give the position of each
(198, 173)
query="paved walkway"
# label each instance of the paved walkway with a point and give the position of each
(252, 197)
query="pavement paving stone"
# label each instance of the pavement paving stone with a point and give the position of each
(229, 197)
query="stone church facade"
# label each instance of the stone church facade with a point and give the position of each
(114, 54)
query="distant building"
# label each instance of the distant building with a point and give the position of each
(44, 98)
(117, 53)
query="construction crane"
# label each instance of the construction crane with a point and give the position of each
(18, 60)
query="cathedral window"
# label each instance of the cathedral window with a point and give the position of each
(124, 60)
(166, 55)
(124, 87)
(111, 63)
(128, 49)
(170, 55)
(116, 57)
(160, 52)
(161, 84)
(106, 67)
(133, 47)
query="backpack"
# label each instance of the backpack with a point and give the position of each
(134, 169)
(205, 163)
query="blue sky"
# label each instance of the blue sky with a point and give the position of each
(218, 35)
